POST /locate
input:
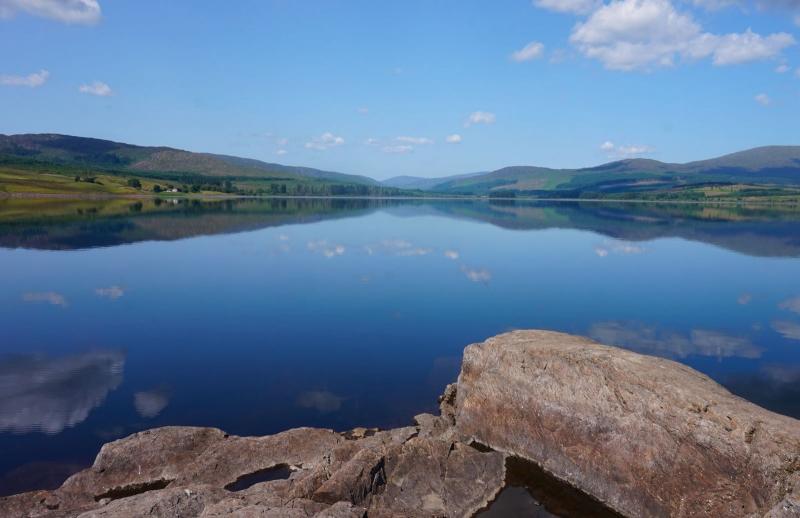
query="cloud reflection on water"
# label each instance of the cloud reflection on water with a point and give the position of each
(39, 393)
(653, 340)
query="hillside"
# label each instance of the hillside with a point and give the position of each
(62, 164)
(773, 167)
(103, 155)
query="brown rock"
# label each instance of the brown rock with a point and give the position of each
(644, 435)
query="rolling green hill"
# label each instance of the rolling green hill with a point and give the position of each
(62, 164)
(771, 168)
(107, 155)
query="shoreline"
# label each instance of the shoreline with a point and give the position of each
(223, 196)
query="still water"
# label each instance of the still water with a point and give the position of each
(257, 316)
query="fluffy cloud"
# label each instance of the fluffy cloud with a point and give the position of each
(782, 69)
(480, 117)
(67, 11)
(652, 340)
(325, 141)
(643, 34)
(44, 394)
(763, 99)
(112, 292)
(792, 305)
(326, 248)
(618, 247)
(615, 151)
(34, 80)
(452, 254)
(49, 297)
(97, 88)
(281, 152)
(569, 6)
(529, 52)
(790, 330)
(150, 403)
(455, 138)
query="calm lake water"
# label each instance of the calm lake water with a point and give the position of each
(257, 316)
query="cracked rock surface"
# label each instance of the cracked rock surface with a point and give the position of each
(641, 435)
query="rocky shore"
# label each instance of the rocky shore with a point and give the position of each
(639, 436)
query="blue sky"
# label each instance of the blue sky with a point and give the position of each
(425, 88)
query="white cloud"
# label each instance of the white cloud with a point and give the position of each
(569, 6)
(38, 393)
(477, 275)
(325, 141)
(455, 138)
(734, 49)
(480, 117)
(531, 51)
(399, 247)
(326, 248)
(400, 145)
(763, 99)
(281, 152)
(67, 11)
(452, 254)
(699, 342)
(625, 151)
(50, 297)
(792, 305)
(618, 247)
(112, 292)
(790, 330)
(419, 141)
(782, 69)
(645, 34)
(150, 403)
(34, 80)
(98, 88)
(398, 149)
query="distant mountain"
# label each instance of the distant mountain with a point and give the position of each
(764, 166)
(423, 184)
(763, 171)
(107, 155)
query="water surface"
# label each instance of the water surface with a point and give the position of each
(260, 315)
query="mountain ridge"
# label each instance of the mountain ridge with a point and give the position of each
(767, 167)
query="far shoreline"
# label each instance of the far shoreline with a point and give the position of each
(224, 196)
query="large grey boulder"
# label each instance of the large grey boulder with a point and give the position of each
(644, 435)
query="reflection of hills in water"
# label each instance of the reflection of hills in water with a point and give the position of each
(77, 224)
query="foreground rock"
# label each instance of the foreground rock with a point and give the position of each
(644, 436)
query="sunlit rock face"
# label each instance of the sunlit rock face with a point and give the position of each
(46, 394)
(644, 435)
